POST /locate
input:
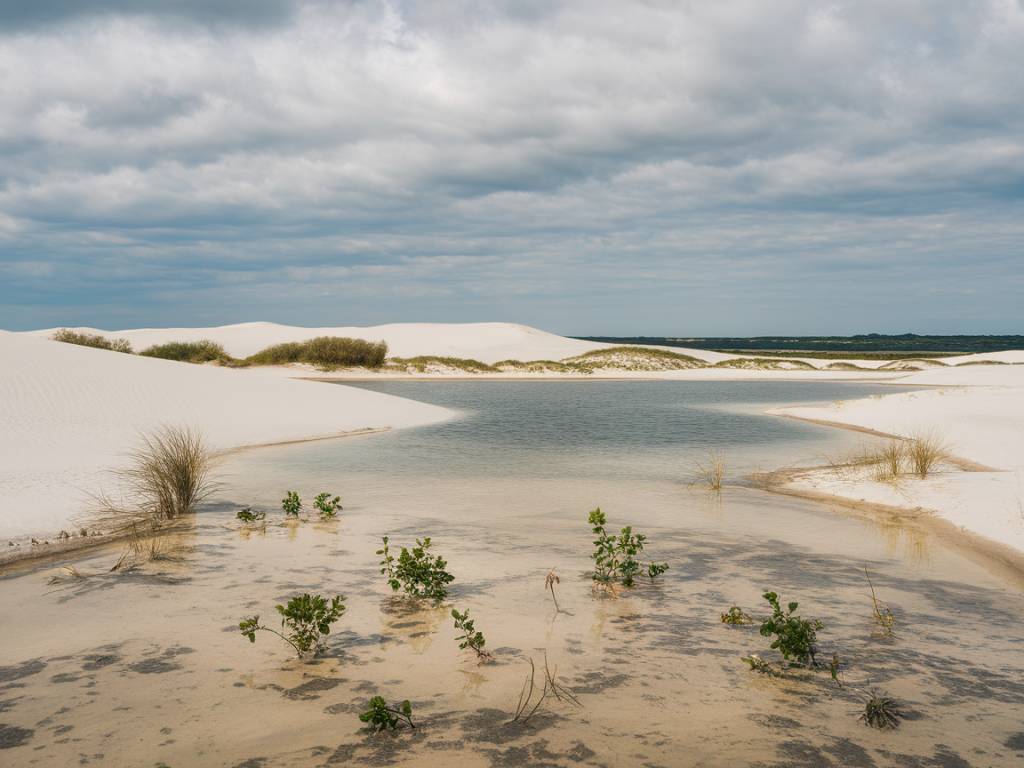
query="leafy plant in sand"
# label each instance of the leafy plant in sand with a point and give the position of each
(379, 716)
(327, 506)
(306, 620)
(471, 637)
(616, 556)
(246, 515)
(794, 637)
(291, 504)
(415, 571)
(736, 616)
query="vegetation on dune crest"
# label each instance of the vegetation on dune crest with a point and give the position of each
(203, 351)
(635, 359)
(435, 363)
(325, 352)
(765, 364)
(92, 340)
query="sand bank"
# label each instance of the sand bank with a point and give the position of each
(68, 414)
(978, 412)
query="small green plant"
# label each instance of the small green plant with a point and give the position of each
(327, 506)
(291, 504)
(757, 664)
(736, 616)
(415, 571)
(306, 621)
(246, 515)
(615, 557)
(379, 716)
(880, 711)
(794, 637)
(471, 637)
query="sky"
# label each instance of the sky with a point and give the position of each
(588, 167)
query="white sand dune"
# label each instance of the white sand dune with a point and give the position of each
(486, 342)
(978, 411)
(69, 413)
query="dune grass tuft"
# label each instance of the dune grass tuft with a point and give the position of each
(710, 471)
(92, 340)
(168, 475)
(204, 351)
(924, 452)
(425, 363)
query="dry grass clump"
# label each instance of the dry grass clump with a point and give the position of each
(325, 352)
(710, 472)
(635, 358)
(531, 699)
(204, 351)
(880, 611)
(167, 476)
(92, 340)
(428, 363)
(764, 364)
(924, 453)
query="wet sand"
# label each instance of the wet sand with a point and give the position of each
(148, 668)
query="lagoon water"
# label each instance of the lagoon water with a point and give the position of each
(147, 667)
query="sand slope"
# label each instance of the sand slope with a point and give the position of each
(979, 413)
(67, 413)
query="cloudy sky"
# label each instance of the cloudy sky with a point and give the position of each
(588, 167)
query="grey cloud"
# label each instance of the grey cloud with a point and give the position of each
(464, 157)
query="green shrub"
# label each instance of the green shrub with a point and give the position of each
(794, 637)
(306, 620)
(325, 352)
(471, 637)
(203, 351)
(92, 340)
(246, 515)
(291, 504)
(736, 616)
(327, 506)
(415, 571)
(615, 557)
(379, 716)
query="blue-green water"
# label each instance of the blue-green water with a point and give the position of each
(626, 430)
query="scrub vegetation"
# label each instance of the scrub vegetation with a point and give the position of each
(305, 621)
(92, 340)
(325, 352)
(204, 351)
(415, 571)
(616, 556)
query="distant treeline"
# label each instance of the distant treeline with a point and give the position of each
(920, 345)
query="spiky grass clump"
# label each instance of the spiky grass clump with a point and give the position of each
(924, 452)
(167, 476)
(92, 340)
(880, 711)
(204, 351)
(710, 471)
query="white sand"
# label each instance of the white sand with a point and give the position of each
(979, 413)
(69, 413)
